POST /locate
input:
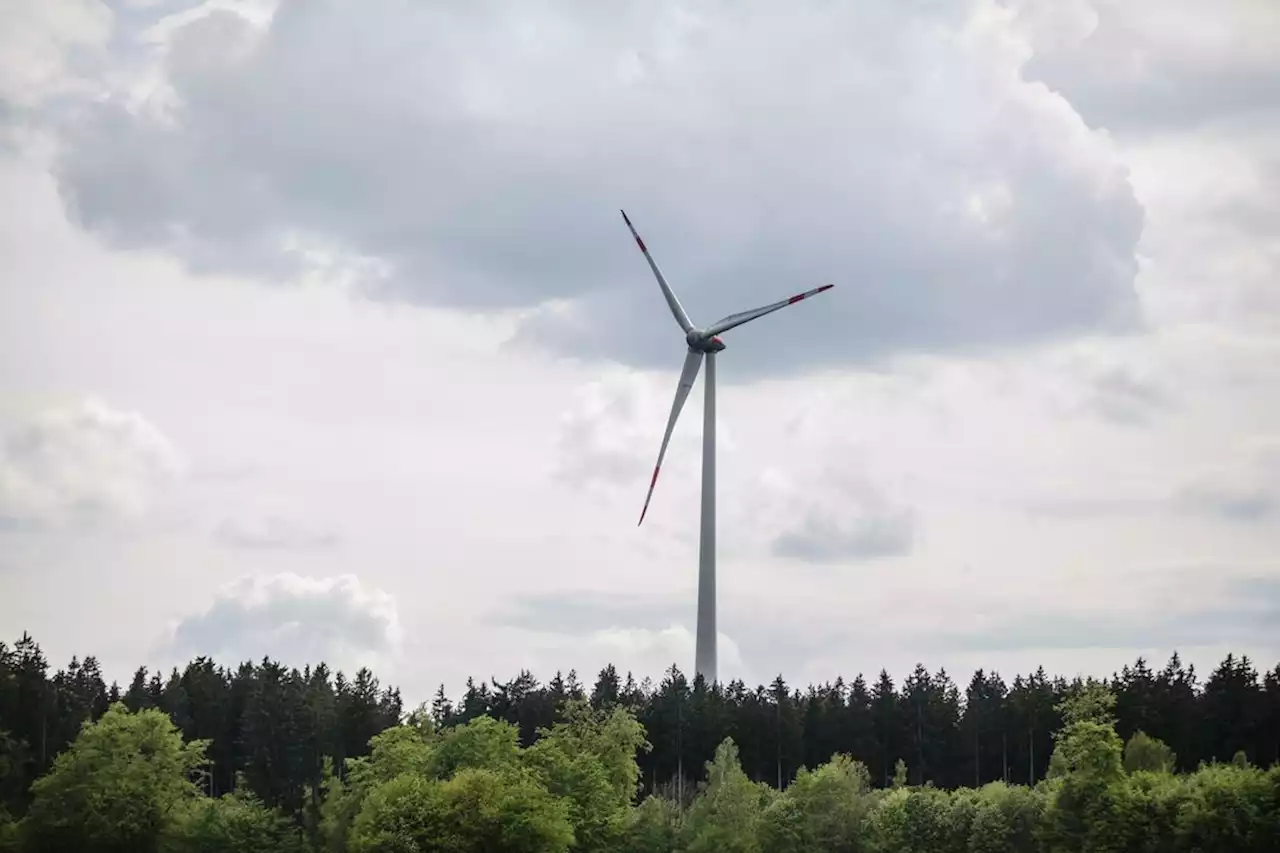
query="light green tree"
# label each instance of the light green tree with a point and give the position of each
(116, 789)
(1087, 747)
(477, 810)
(589, 759)
(1006, 818)
(1086, 773)
(1145, 753)
(899, 774)
(1232, 808)
(483, 743)
(232, 823)
(725, 816)
(652, 827)
(823, 809)
(397, 750)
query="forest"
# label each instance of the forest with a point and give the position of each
(263, 757)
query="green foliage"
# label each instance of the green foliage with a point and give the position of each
(339, 806)
(1085, 769)
(589, 760)
(477, 810)
(1005, 819)
(1091, 702)
(116, 789)
(652, 827)
(397, 750)
(1087, 748)
(321, 765)
(1230, 808)
(1139, 814)
(14, 756)
(1145, 753)
(8, 833)
(483, 743)
(400, 749)
(824, 809)
(726, 814)
(899, 774)
(912, 819)
(231, 824)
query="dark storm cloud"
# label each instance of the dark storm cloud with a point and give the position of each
(483, 151)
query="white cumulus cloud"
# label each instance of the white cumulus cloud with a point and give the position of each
(297, 620)
(86, 462)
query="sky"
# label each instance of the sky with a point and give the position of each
(321, 336)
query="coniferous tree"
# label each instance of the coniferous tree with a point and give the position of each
(1231, 702)
(1180, 711)
(608, 688)
(890, 728)
(442, 712)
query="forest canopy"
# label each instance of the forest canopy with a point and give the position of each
(267, 758)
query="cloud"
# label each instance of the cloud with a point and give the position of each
(825, 535)
(1247, 617)
(607, 436)
(85, 463)
(1229, 498)
(1247, 492)
(644, 636)
(580, 613)
(39, 45)
(647, 652)
(1121, 396)
(1146, 65)
(841, 515)
(294, 619)
(273, 531)
(647, 633)
(896, 151)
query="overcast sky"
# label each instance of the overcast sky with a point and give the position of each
(321, 336)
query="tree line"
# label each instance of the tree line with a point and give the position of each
(130, 781)
(274, 725)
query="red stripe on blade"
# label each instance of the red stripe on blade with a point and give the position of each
(808, 293)
(653, 482)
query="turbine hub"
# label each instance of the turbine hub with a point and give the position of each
(700, 341)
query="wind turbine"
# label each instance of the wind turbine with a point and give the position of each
(703, 342)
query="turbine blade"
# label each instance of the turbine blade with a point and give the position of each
(692, 363)
(734, 320)
(676, 310)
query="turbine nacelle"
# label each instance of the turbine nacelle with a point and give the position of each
(700, 340)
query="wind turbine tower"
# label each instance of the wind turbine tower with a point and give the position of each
(703, 344)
